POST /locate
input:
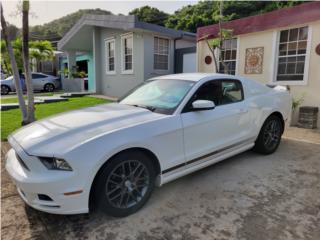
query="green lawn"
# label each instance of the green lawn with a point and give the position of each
(11, 119)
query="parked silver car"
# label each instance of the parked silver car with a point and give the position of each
(40, 81)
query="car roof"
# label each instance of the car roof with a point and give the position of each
(194, 76)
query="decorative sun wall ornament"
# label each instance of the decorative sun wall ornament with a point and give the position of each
(254, 60)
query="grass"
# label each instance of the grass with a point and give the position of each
(15, 99)
(11, 119)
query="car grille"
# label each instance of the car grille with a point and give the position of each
(23, 164)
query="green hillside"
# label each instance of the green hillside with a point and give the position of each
(58, 27)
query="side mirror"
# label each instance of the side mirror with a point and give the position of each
(200, 105)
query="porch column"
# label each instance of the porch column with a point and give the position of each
(72, 65)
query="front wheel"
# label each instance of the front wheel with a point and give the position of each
(5, 90)
(125, 184)
(270, 136)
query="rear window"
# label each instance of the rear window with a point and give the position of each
(231, 91)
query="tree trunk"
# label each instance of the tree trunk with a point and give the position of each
(14, 68)
(225, 66)
(26, 63)
(213, 55)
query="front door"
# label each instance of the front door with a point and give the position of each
(226, 125)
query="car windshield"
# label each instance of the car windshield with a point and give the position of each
(161, 96)
(9, 78)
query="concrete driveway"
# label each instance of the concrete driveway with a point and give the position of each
(248, 196)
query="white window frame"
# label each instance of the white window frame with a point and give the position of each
(161, 70)
(123, 37)
(107, 41)
(237, 56)
(276, 57)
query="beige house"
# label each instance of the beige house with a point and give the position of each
(280, 47)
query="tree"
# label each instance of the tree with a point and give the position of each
(190, 17)
(150, 15)
(13, 31)
(216, 43)
(58, 27)
(41, 51)
(14, 67)
(5, 60)
(26, 63)
(17, 48)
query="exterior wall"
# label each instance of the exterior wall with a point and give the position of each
(268, 39)
(96, 59)
(149, 70)
(203, 51)
(118, 84)
(180, 43)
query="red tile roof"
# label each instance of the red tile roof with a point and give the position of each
(300, 14)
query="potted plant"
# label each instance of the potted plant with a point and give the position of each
(296, 102)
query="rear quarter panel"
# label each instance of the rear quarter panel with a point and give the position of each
(263, 101)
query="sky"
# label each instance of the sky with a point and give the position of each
(46, 11)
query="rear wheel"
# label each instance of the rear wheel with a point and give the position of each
(49, 87)
(125, 184)
(270, 136)
(5, 90)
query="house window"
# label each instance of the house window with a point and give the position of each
(161, 53)
(110, 56)
(47, 66)
(127, 48)
(228, 55)
(292, 54)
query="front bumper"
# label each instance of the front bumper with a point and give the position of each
(38, 181)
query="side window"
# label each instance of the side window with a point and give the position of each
(36, 75)
(231, 91)
(209, 91)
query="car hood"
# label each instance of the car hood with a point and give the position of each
(6, 81)
(63, 132)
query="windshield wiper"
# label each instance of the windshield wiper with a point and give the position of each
(150, 108)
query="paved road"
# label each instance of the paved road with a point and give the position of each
(245, 197)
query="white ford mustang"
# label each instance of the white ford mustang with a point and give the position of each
(111, 156)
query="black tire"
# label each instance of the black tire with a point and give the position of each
(119, 193)
(270, 135)
(5, 90)
(48, 87)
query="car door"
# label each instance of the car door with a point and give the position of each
(38, 81)
(227, 125)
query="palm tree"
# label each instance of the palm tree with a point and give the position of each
(41, 51)
(26, 63)
(5, 58)
(14, 67)
(17, 49)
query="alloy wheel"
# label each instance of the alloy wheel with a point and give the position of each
(272, 134)
(127, 184)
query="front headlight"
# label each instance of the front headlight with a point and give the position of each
(55, 163)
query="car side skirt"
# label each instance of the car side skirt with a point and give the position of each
(204, 161)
